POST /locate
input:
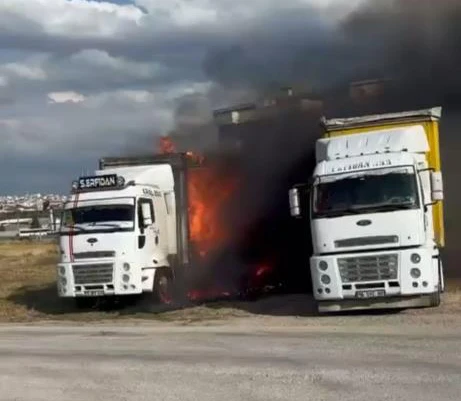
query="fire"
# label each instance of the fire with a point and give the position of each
(262, 270)
(199, 159)
(210, 188)
(166, 145)
(214, 293)
(208, 192)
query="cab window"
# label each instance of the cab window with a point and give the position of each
(142, 201)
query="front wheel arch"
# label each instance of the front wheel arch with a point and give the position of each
(441, 276)
(163, 285)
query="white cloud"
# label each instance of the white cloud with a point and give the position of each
(33, 73)
(76, 18)
(94, 58)
(65, 97)
(183, 13)
(30, 69)
(119, 98)
(89, 78)
(82, 19)
(179, 90)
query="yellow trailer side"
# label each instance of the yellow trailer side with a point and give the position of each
(429, 119)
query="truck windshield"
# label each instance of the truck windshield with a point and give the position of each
(369, 192)
(100, 217)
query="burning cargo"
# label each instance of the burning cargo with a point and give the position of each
(218, 222)
(161, 220)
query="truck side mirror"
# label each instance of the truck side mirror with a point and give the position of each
(436, 186)
(146, 214)
(295, 208)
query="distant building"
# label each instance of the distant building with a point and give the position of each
(269, 106)
(362, 91)
(253, 123)
(29, 203)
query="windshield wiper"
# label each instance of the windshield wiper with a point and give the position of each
(338, 213)
(391, 206)
(75, 227)
(107, 225)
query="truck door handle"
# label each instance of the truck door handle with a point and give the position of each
(156, 240)
(141, 241)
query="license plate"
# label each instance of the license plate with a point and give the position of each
(370, 294)
(93, 293)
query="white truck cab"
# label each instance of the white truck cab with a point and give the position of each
(371, 216)
(118, 233)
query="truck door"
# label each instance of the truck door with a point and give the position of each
(147, 242)
(161, 224)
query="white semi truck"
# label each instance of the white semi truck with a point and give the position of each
(124, 230)
(375, 209)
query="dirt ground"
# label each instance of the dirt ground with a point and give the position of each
(28, 294)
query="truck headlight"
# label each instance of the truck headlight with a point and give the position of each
(325, 279)
(126, 278)
(126, 267)
(415, 258)
(63, 281)
(323, 265)
(415, 273)
(62, 271)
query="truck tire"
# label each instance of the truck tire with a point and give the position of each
(162, 291)
(435, 297)
(85, 303)
(441, 276)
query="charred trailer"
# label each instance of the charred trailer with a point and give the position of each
(275, 146)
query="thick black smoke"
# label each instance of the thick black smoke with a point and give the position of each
(415, 41)
(418, 45)
(414, 44)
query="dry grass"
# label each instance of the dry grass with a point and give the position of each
(28, 293)
(24, 266)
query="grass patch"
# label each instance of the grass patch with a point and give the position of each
(24, 266)
(28, 293)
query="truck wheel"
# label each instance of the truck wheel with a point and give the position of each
(162, 292)
(441, 276)
(435, 297)
(85, 303)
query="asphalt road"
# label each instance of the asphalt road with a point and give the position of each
(208, 364)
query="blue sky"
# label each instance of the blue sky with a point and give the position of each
(83, 79)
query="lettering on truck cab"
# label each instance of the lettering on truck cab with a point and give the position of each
(150, 192)
(362, 166)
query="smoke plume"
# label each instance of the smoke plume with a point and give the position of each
(414, 44)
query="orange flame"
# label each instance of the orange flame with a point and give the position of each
(208, 190)
(166, 145)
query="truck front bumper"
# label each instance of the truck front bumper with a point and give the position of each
(391, 302)
(375, 278)
(97, 278)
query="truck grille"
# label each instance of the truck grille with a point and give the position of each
(368, 268)
(94, 255)
(367, 241)
(93, 274)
